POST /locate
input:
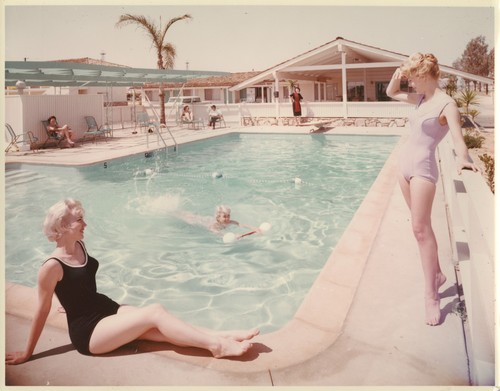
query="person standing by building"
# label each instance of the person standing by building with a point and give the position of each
(295, 98)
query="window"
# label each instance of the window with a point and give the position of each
(381, 88)
(286, 92)
(332, 92)
(356, 91)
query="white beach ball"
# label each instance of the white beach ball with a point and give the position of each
(264, 227)
(229, 237)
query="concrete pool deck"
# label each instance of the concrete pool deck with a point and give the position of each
(360, 325)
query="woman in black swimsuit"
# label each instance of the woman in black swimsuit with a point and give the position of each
(96, 323)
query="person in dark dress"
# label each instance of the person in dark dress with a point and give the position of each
(295, 98)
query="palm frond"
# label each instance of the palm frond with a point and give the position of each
(171, 22)
(142, 22)
(169, 53)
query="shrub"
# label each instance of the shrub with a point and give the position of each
(473, 140)
(489, 164)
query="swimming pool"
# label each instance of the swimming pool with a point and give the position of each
(147, 254)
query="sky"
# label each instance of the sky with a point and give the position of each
(237, 37)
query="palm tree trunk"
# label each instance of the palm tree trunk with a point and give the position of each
(162, 105)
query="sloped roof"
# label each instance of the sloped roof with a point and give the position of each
(93, 61)
(325, 60)
(53, 73)
(228, 80)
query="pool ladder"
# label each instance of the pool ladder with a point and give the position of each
(158, 130)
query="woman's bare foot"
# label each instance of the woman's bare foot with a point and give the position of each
(432, 302)
(228, 347)
(239, 335)
(432, 311)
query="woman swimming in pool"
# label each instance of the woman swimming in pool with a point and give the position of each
(223, 220)
(435, 113)
(96, 323)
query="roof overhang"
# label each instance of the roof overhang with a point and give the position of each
(45, 73)
(326, 60)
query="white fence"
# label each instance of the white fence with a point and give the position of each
(471, 221)
(26, 112)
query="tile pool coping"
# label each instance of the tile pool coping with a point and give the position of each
(334, 288)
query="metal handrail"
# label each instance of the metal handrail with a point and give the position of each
(158, 133)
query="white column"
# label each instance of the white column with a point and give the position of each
(276, 99)
(344, 85)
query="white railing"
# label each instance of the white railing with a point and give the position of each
(471, 221)
(118, 116)
(378, 109)
(25, 112)
(234, 112)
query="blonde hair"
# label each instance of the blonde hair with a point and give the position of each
(420, 65)
(54, 225)
(222, 209)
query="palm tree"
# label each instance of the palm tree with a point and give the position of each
(468, 98)
(165, 51)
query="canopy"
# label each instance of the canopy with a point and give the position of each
(52, 73)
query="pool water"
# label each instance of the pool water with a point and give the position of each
(307, 187)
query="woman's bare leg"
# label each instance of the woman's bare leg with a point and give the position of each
(237, 335)
(421, 198)
(155, 323)
(67, 133)
(421, 210)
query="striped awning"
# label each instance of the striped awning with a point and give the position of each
(44, 73)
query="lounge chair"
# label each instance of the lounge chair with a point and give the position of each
(94, 130)
(146, 123)
(51, 135)
(23, 137)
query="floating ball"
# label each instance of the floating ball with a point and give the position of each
(297, 181)
(148, 172)
(229, 237)
(264, 227)
(216, 175)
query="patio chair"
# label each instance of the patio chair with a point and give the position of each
(51, 135)
(94, 130)
(146, 123)
(193, 124)
(23, 137)
(220, 121)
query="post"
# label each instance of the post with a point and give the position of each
(276, 94)
(344, 84)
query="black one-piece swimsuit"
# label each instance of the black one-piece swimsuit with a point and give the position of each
(77, 292)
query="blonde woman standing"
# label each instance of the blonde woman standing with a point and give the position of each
(435, 113)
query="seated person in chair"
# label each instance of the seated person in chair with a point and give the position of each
(187, 116)
(214, 115)
(62, 131)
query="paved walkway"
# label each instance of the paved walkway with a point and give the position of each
(383, 340)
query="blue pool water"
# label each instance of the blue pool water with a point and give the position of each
(148, 254)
